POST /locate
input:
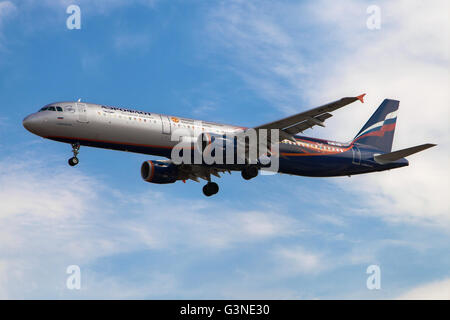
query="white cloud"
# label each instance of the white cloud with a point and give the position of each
(87, 222)
(196, 227)
(204, 108)
(3, 280)
(406, 59)
(296, 260)
(62, 196)
(437, 290)
(53, 216)
(331, 219)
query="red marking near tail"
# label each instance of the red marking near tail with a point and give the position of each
(361, 97)
(378, 133)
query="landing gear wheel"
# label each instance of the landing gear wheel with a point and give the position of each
(75, 150)
(210, 189)
(73, 161)
(249, 172)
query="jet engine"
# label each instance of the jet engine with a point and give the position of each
(158, 171)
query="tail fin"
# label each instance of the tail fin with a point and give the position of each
(379, 131)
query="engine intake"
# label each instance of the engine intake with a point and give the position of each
(161, 172)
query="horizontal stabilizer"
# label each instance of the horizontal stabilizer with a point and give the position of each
(397, 155)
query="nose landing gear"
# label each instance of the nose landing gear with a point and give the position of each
(75, 149)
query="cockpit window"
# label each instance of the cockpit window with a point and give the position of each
(51, 108)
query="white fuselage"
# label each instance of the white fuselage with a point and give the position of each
(113, 126)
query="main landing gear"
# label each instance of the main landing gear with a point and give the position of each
(75, 149)
(249, 172)
(210, 189)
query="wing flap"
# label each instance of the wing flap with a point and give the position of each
(303, 116)
(308, 123)
(196, 171)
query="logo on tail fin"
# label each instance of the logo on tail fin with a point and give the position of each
(378, 131)
(379, 128)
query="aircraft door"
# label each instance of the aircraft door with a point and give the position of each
(356, 155)
(82, 112)
(165, 122)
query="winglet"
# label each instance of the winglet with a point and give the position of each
(361, 97)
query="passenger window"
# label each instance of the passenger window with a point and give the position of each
(59, 109)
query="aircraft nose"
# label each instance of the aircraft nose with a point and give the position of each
(31, 123)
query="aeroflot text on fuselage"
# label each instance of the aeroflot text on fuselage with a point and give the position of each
(197, 150)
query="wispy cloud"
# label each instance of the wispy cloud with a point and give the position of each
(296, 260)
(92, 7)
(436, 290)
(204, 108)
(266, 54)
(52, 217)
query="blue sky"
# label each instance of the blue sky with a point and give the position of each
(240, 63)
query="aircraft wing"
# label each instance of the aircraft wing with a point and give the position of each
(308, 119)
(194, 172)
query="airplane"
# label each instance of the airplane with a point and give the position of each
(87, 124)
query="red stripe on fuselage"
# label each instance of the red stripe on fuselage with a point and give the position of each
(115, 142)
(299, 154)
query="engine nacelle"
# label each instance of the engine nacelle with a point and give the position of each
(157, 171)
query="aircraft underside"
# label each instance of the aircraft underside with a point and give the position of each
(347, 163)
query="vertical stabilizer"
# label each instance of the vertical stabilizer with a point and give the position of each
(379, 131)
